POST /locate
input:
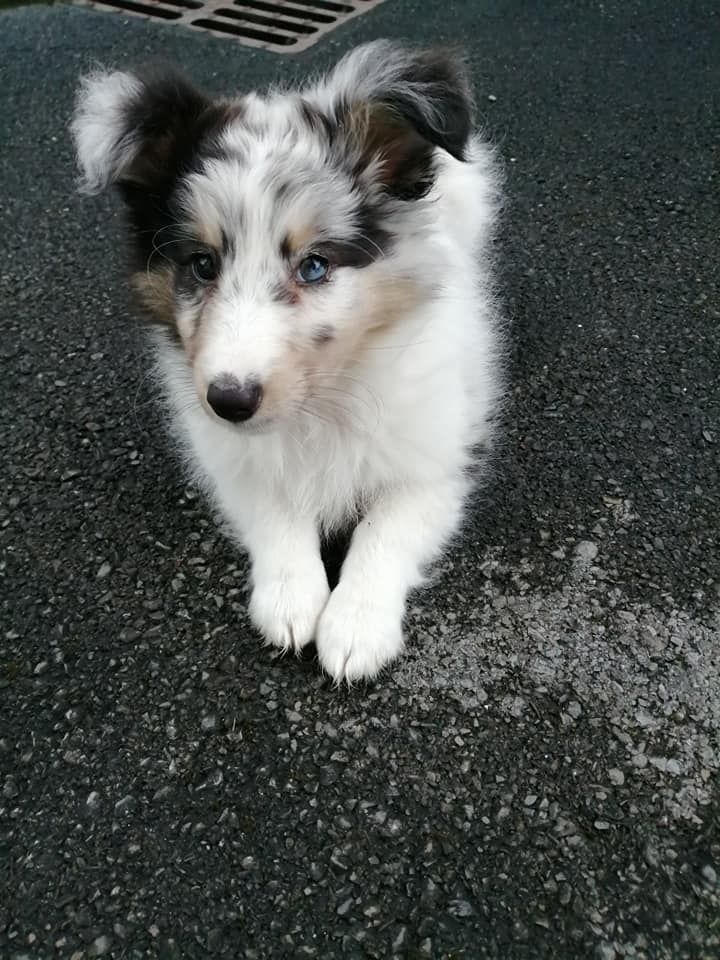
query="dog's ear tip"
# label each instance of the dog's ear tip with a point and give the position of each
(428, 86)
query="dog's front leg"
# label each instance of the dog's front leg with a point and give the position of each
(289, 584)
(360, 629)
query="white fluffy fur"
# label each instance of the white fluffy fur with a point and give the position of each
(393, 444)
(401, 444)
(103, 149)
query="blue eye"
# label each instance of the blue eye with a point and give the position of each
(312, 269)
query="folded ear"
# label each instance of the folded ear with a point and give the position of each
(136, 129)
(394, 107)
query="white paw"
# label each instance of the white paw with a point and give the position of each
(285, 610)
(357, 634)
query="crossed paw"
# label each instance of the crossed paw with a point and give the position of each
(356, 634)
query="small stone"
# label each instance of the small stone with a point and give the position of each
(99, 947)
(93, 799)
(345, 907)
(710, 875)
(492, 98)
(104, 571)
(601, 825)
(651, 855)
(643, 718)
(617, 777)
(574, 709)
(10, 788)
(400, 940)
(208, 723)
(461, 908)
(605, 951)
(41, 667)
(124, 807)
(586, 551)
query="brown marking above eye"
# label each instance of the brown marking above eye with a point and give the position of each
(297, 240)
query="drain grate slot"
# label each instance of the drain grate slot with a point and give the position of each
(277, 22)
(286, 10)
(274, 24)
(237, 31)
(156, 10)
(330, 6)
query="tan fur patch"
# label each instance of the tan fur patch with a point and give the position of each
(207, 232)
(282, 385)
(388, 301)
(194, 341)
(391, 299)
(156, 292)
(299, 237)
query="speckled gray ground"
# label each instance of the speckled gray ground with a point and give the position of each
(538, 778)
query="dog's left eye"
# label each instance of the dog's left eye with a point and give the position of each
(312, 269)
(204, 267)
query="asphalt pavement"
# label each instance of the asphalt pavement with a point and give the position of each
(538, 778)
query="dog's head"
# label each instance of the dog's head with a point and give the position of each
(274, 235)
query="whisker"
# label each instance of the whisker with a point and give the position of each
(349, 396)
(342, 376)
(364, 236)
(350, 243)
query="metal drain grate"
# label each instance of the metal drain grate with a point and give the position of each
(286, 26)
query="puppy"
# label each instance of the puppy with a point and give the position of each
(315, 267)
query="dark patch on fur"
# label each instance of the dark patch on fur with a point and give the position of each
(429, 107)
(356, 253)
(369, 243)
(229, 241)
(285, 248)
(281, 191)
(406, 158)
(284, 293)
(171, 121)
(323, 335)
(319, 122)
(177, 129)
(215, 151)
(439, 77)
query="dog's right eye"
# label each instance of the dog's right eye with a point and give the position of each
(204, 267)
(312, 269)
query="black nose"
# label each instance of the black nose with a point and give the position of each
(234, 401)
